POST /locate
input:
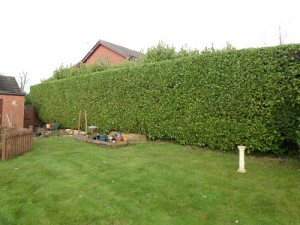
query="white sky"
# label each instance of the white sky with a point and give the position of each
(38, 36)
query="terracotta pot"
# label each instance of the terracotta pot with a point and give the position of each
(118, 139)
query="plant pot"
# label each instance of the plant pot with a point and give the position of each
(118, 139)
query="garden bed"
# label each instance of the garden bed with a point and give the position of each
(130, 139)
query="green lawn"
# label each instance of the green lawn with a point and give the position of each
(63, 181)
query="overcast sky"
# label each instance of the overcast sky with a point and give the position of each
(38, 36)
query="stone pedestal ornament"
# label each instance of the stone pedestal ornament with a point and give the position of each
(241, 168)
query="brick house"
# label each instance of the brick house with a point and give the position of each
(114, 54)
(11, 103)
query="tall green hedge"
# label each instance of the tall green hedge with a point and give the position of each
(220, 100)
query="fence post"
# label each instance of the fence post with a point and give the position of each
(3, 146)
(29, 139)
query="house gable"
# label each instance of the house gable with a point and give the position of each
(12, 102)
(110, 52)
(105, 54)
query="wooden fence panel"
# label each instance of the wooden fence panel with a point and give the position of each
(15, 142)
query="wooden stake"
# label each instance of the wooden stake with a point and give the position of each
(79, 122)
(86, 122)
(9, 124)
(11, 119)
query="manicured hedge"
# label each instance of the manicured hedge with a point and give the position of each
(220, 100)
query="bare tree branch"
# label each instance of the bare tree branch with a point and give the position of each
(23, 80)
(281, 36)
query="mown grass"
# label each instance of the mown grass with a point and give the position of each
(63, 181)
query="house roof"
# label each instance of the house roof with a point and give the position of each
(129, 54)
(9, 86)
